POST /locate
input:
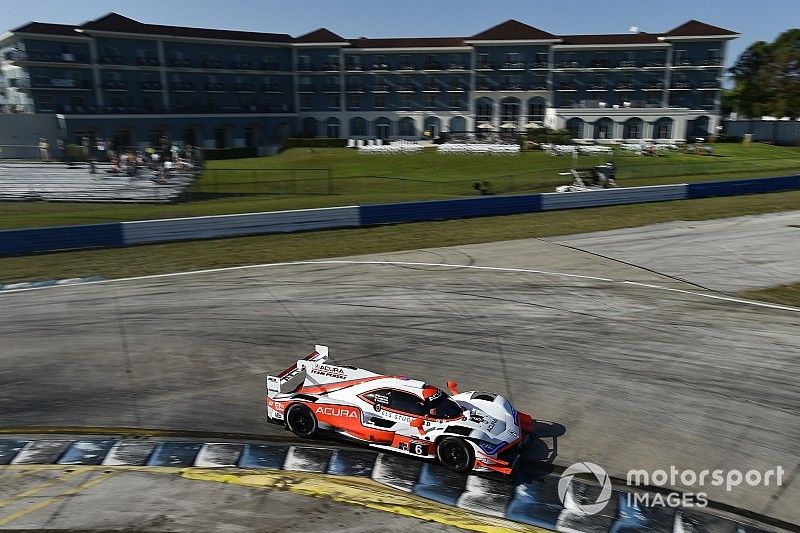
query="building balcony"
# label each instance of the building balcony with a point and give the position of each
(270, 65)
(150, 85)
(484, 65)
(354, 67)
(45, 57)
(305, 88)
(569, 64)
(380, 88)
(244, 88)
(330, 67)
(433, 65)
(680, 86)
(456, 66)
(513, 66)
(214, 87)
(111, 60)
(172, 110)
(406, 88)
(653, 86)
(49, 83)
(654, 64)
(180, 63)
(483, 87)
(147, 62)
(456, 88)
(408, 66)
(540, 65)
(683, 62)
(627, 64)
(431, 88)
(624, 86)
(332, 88)
(710, 62)
(709, 85)
(211, 64)
(182, 86)
(597, 87)
(381, 67)
(115, 85)
(355, 88)
(567, 87)
(539, 86)
(597, 63)
(512, 87)
(271, 88)
(242, 65)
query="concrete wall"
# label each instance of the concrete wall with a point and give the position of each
(777, 131)
(19, 134)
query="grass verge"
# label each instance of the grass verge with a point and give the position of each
(782, 294)
(174, 257)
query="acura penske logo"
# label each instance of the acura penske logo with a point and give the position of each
(565, 493)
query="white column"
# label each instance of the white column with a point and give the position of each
(588, 130)
(667, 78)
(98, 83)
(647, 130)
(162, 71)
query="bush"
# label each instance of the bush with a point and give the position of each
(75, 152)
(230, 153)
(546, 135)
(323, 142)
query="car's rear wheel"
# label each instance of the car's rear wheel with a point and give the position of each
(301, 421)
(455, 454)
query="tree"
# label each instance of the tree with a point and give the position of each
(767, 78)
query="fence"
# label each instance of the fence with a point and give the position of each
(18, 242)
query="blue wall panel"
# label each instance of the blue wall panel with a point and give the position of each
(449, 209)
(24, 241)
(628, 195)
(733, 187)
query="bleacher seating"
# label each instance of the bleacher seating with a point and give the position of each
(58, 182)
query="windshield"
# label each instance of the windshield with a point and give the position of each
(441, 406)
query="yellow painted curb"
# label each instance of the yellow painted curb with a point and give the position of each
(345, 489)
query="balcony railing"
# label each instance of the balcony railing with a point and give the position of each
(147, 61)
(709, 84)
(242, 65)
(624, 86)
(355, 88)
(456, 66)
(180, 63)
(567, 87)
(456, 87)
(655, 63)
(433, 65)
(710, 62)
(483, 86)
(115, 85)
(683, 62)
(485, 65)
(380, 88)
(176, 109)
(212, 64)
(111, 60)
(214, 87)
(599, 63)
(182, 86)
(432, 88)
(305, 67)
(244, 87)
(406, 88)
(512, 87)
(332, 88)
(381, 67)
(654, 85)
(540, 64)
(62, 57)
(570, 64)
(513, 66)
(330, 67)
(681, 85)
(270, 65)
(539, 86)
(354, 67)
(408, 66)
(305, 88)
(49, 83)
(597, 86)
(150, 85)
(628, 64)
(271, 88)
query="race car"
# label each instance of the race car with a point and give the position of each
(468, 431)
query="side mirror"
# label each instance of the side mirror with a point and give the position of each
(453, 386)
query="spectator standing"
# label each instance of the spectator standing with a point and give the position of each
(62, 150)
(44, 149)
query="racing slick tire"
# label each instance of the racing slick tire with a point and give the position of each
(301, 420)
(455, 454)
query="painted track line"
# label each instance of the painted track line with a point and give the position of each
(720, 297)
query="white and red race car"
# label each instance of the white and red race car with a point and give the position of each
(467, 431)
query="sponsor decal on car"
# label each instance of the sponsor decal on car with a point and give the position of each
(336, 411)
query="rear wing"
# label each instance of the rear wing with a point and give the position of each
(277, 384)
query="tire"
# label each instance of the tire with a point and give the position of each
(455, 454)
(301, 420)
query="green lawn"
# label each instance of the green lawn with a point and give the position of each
(304, 178)
(160, 258)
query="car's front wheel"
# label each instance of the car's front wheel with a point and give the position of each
(301, 421)
(455, 454)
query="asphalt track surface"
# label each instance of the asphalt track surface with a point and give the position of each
(642, 375)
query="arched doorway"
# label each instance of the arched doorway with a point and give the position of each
(575, 128)
(458, 125)
(358, 127)
(283, 130)
(699, 127)
(433, 126)
(158, 135)
(406, 127)
(222, 136)
(310, 127)
(333, 128)
(123, 138)
(383, 128)
(633, 128)
(536, 110)
(662, 128)
(254, 135)
(484, 110)
(193, 135)
(604, 128)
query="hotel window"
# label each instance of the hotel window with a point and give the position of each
(305, 101)
(405, 62)
(380, 101)
(600, 60)
(269, 62)
(354, 101)
(483, 60)
(512, 58)
(708, 100)
(46, 103)
(380, 62)
(111, 51)
(333, 101)
(680, 57)
(333, 60)
(405, 100)
(654, 99)
(303, 62)
(540, 59)
(430, 100)
(454, 101)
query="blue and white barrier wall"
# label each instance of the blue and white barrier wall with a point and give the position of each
(26, 241)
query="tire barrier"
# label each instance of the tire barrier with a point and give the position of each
(26, 241)
(535, 501)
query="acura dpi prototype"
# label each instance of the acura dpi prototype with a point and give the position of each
(467, 431)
